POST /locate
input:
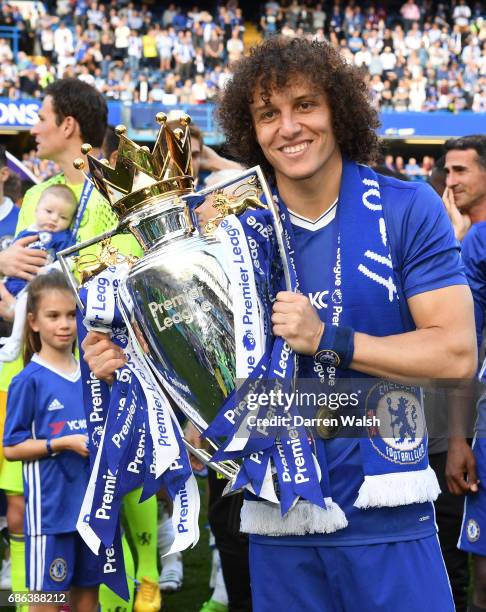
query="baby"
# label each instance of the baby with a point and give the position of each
(53, 216)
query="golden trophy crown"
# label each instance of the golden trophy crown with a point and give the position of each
(139, 174)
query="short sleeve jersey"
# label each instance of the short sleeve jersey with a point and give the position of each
(474, 257)
(426, 256)
(43, 403)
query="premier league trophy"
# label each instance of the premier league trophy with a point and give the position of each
(194, 337)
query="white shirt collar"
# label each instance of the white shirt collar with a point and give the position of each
(71, 377)
(326, 218)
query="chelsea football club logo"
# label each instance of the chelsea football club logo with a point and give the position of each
(472, 530)
(399, 437)
(58, 569)
(45, 237)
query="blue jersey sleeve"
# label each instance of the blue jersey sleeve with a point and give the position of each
(24, 233)
(474, 258)
(20, 411)
(424, 247)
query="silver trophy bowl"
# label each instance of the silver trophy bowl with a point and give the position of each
(181, 306)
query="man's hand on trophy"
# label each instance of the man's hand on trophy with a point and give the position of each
(297, 322)
(102, 356)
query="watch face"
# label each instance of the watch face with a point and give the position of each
(327, 357)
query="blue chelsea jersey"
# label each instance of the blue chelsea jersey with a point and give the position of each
(426, 257)
(51, 242)
(474, 257)
(43, 403)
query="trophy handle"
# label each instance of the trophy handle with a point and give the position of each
(65, 253)
(271, 205)
(224, 468)
(278, 225)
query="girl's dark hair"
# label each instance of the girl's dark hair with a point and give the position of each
(51, 281)
(280, 62)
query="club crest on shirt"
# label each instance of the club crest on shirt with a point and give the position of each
(399, 437)
(58, 569)
(45, 237)
(472, 530)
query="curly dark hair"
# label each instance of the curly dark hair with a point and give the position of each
(277, 63)
(74, 98)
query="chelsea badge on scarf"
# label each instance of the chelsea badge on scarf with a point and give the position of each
(399, 436)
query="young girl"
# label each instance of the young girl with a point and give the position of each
(46, 429)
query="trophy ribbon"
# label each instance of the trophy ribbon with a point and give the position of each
(112, 566)
(256, 475)
(125, 399)
(96, 396)
(169, 470)
(296, 469)
(134, 398)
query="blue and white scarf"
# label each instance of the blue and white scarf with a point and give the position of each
(250, 249)
(365, 294)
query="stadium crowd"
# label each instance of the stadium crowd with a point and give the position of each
(418, 58)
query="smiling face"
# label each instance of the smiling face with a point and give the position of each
(294, 130)
(466, 177)
(55, 320)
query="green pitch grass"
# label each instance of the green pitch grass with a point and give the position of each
(197, 568)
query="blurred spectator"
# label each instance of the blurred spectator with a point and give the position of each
(412, 169)
(410, 13)
(461, 15)
(399, 164)
(234, 46)
(389, 163)
(42, 168)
